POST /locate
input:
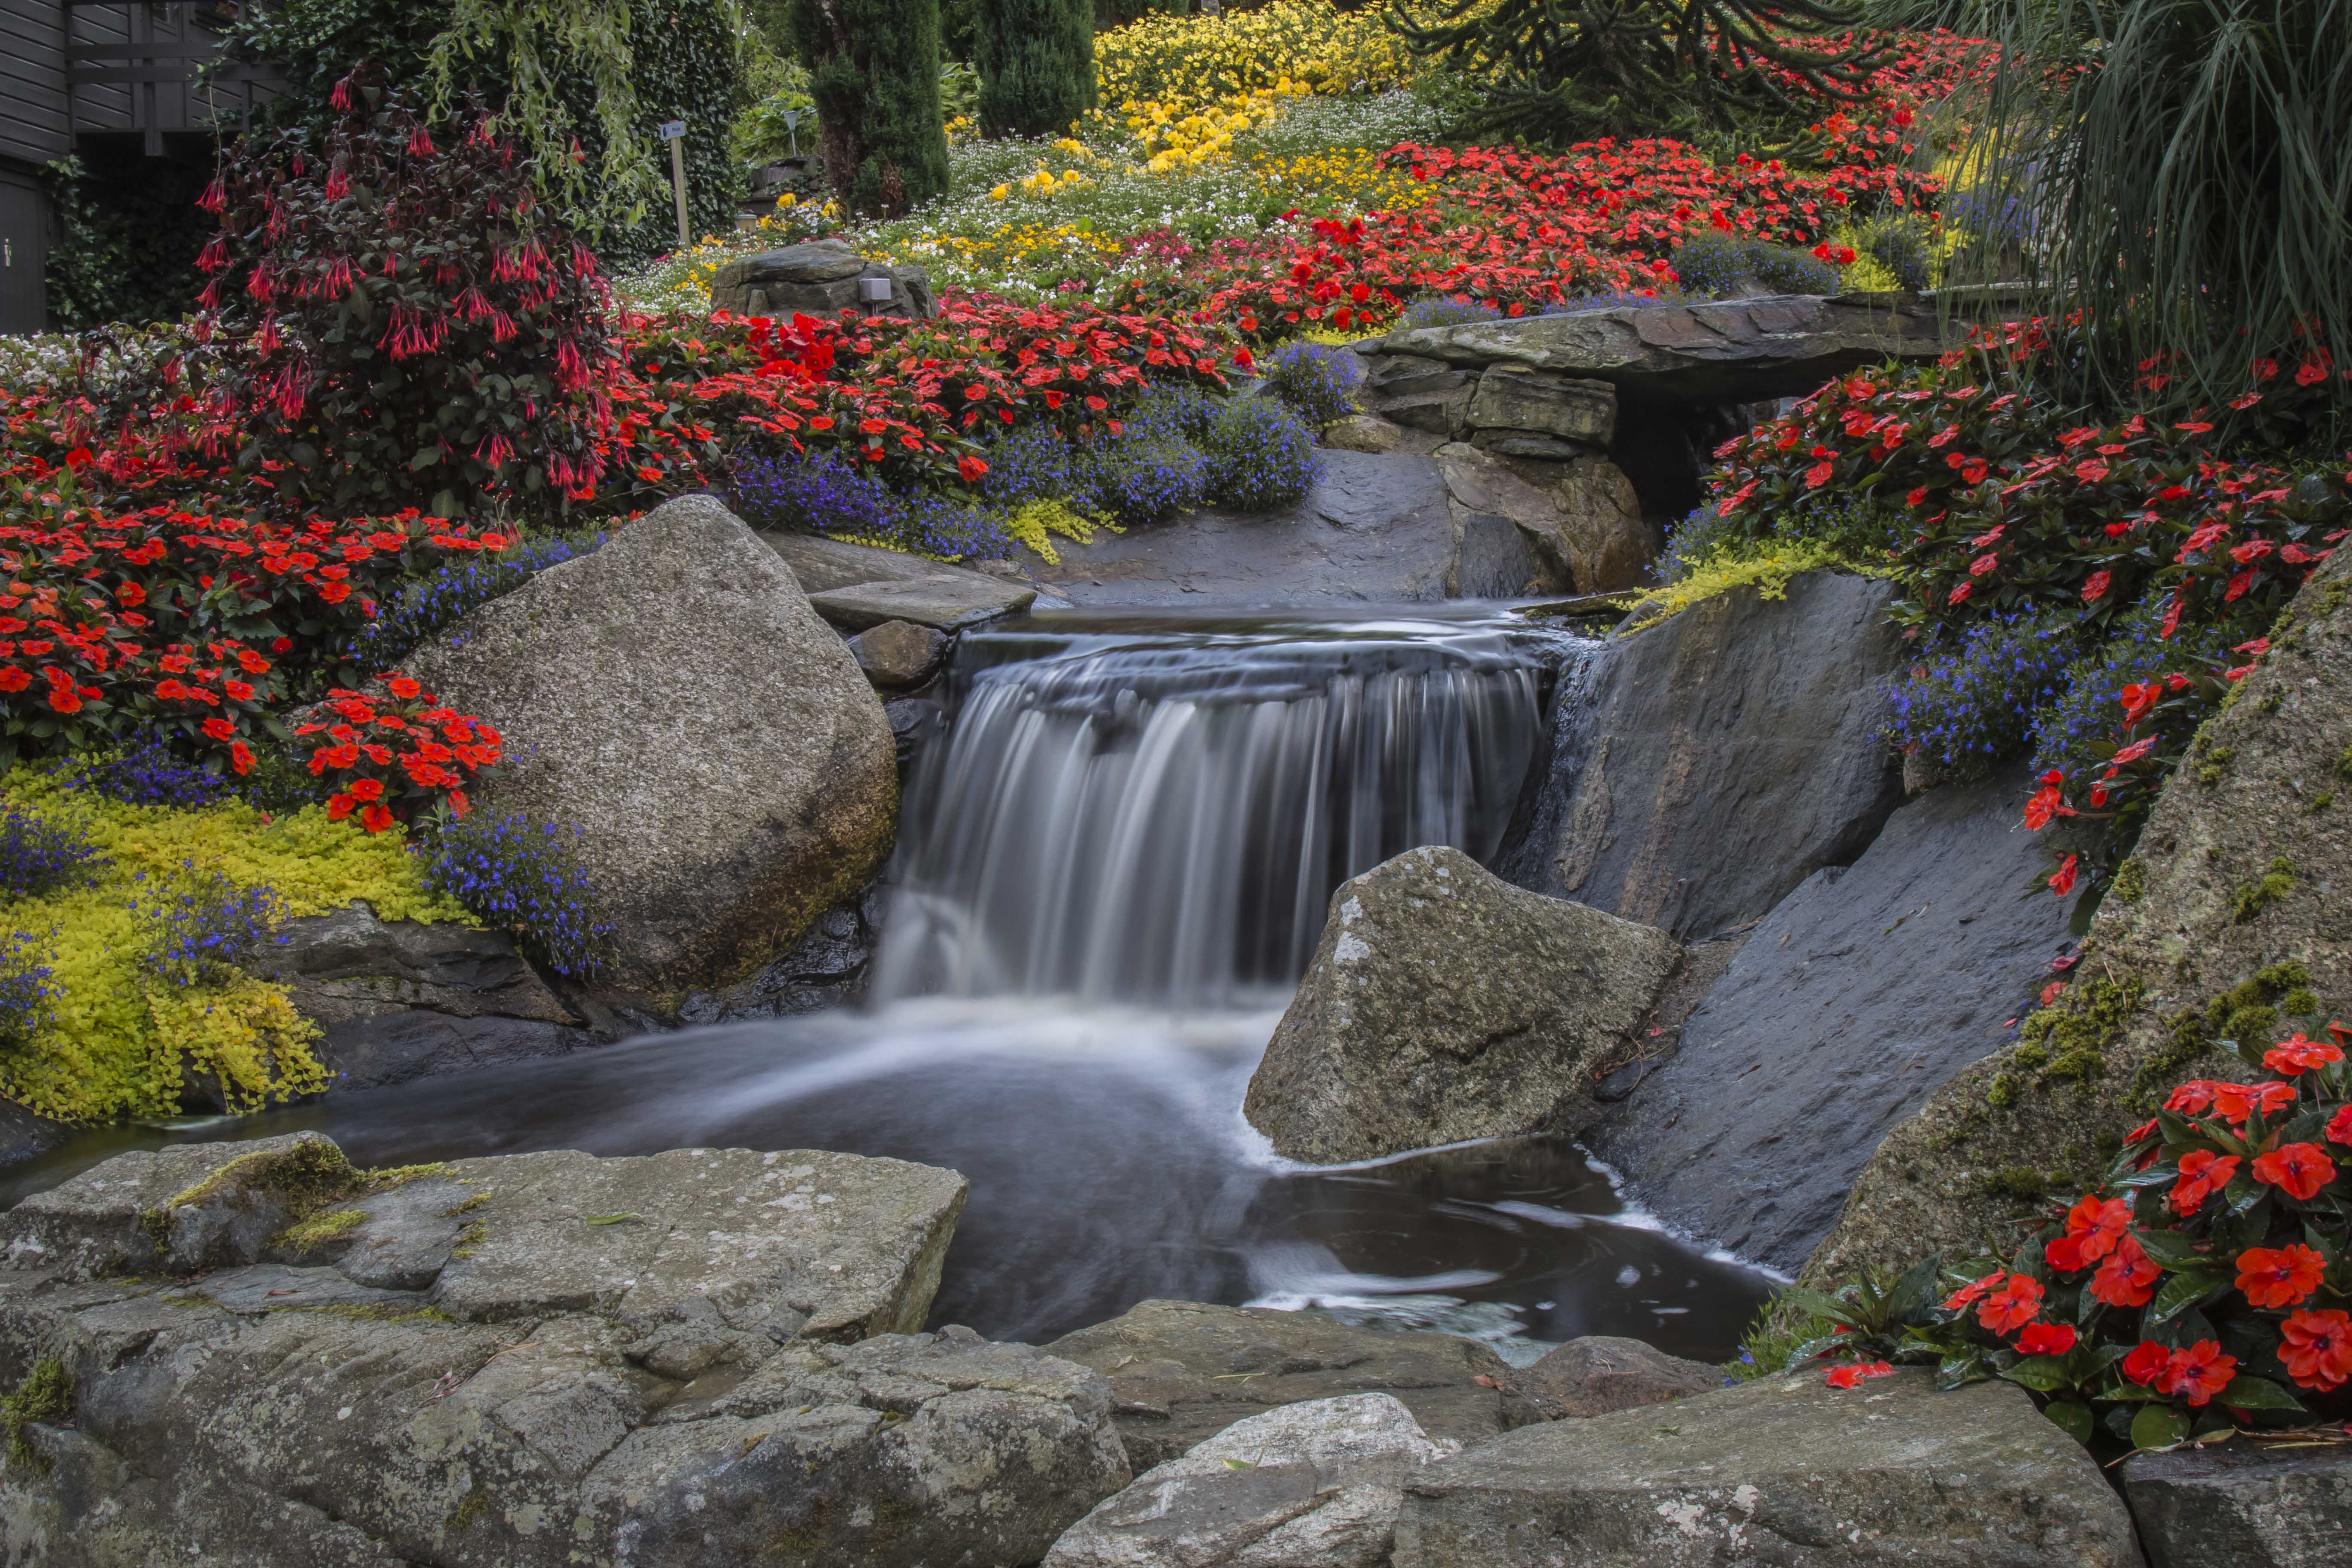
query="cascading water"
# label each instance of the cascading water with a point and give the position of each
(1159, 814)
(1114, 863)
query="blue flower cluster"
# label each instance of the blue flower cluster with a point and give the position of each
(1970, 704)
(2089, 708)
(439, 600)
(1441, 311)
(38, 856)
(521, 877)
(1896, 244)
(1720, 264)
(1145, 481)
(25, 988)
(827, 494)
(1318, 380)
(145, 773)
(205, 928)
(1260, 456)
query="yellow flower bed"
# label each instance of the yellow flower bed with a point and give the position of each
(1174, 138)
(119, 1038)
(1765, 566)
(1205, 60)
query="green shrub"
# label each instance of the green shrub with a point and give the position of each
(1036, 60)
(874, 69)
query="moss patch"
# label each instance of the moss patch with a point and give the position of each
(45, 1395)
(309, 1235)
(2068, 1043)
(2131, 883)
(2020, 1183)
(2252, 898)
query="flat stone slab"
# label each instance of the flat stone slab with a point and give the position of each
(1782, 1470)
(1375, 529)
(1182, 1372)
(855, 586)
(1731, 350)
(2253, 1505)
(1855, 999)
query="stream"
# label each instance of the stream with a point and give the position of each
(1114, 864)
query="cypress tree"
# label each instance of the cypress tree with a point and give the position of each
(874, 69)
(1036, 60)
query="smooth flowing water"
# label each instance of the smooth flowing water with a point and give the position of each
(1113, 866)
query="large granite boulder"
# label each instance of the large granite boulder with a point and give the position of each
(2232, 903)
(821, 278)
(1305, 1486)
(1441, 1004)
(1853, 1000)
(1181, 1372)
(524, 1360)
(1705, 766)
(1781, 1470)
(2249, 1505)
(673, 697)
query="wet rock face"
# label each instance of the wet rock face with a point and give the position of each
(1182, 1372)
(1315, 1483)
(526, 1360)
(2285, 1506)
(1444, 1003)
(1783, 1470)
(675, 697)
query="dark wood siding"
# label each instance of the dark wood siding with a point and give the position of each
(23, 245)
(32, 81)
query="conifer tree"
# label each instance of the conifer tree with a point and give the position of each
(1036, 60)
(874, 69)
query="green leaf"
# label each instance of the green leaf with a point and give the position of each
(2169, 1248)
(2248, 1393)
(2183, 1290)
(1916, 1289)
(1961, 1368)
(2076, 1420)
(2042, 1373)
(2158, 1427)
(424, 459)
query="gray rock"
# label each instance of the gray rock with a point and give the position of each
(2243, 1504)
(1363, 433)
(1732, 350)
(1490, 558)
(1604, 537)
(820, 277)
(1182, 1372)
(827, 968)
(1601, 1375)
(1513, 398)
(1376, 529)
(948, 604)
(716, 827)
(1853, 1000)
(24, 1135)
(819, 564)
(1781, 1470)
(648, 1384)
(1418, 394)
(1305, 1486)
(1442, 1003)
(1702, 768)
(899, 653)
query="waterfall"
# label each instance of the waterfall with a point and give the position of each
(1155, 812)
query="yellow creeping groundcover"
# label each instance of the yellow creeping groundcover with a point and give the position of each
(119, 1038)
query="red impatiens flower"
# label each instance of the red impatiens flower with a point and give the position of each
(2339, 1126)
(2146, 1362)
(2317, 1348)
(2237, 1101)
(2062, 880)
(2299, 1169)
(2094, 1226)
(2014, 1305)
(2280, 1277)
(2203, 1174)
(2046, 1339)
(2127, 1279)
(2199, 1373)
(1971, 1290)
(2298, 1056)
(1852, 1373)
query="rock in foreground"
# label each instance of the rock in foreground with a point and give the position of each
(1182, 1372)
(1306, 1486)
(675, 697)
(1444, 1004)
(2284, 1507)
(539, 1358)
(1784, 1470)
(1600, 1375)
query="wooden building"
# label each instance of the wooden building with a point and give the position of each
(116, 78)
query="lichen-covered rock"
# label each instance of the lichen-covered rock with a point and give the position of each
(2231, 914)
(899, 653)
(544, 1359)
(1182, 1372)
(1306, 1486)
(1512, 399)
(1442, 1003)
(1599, 1375)
(2250, 1506)
(675, 698)
(1781, 1470)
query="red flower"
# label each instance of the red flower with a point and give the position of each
(65, 700)
(2127, 1279)
(2046, 1339)
(2203, 1174)
(12, 678)
(2146, 1362)
(971, 469)
(1852, 1374)
(2317, 1349)
(2299, 1169)
(2094, 1228)
(2045, 804)
(217, 728)
(2200, 1372)
(2096, 585)
(367, 789)
(338, 806)
(2014, 1305)
(2293, 1058)
(1970, 1291)
(374, 818)
(2138, 697)
(2062, 880)
(407, 688)
(240, 756)
(2237, 1101)
(2339, 1126)
(2279, 1277)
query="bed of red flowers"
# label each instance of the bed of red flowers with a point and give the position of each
(394, 752)
(2204, 1284)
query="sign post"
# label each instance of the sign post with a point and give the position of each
(674, 133)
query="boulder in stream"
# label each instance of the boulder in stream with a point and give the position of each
(675, 698)
(1444, 1004)
(274, 1361)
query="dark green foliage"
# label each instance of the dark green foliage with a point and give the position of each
(873, 67)
(1036, 60)
(685, 68)
(131, 233)
(1568, 70)
(2180, 169)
